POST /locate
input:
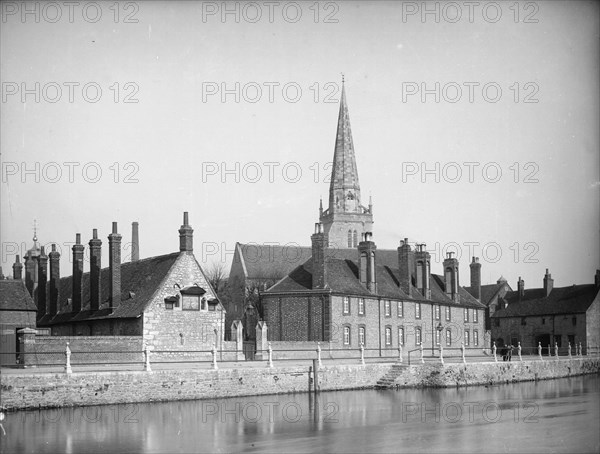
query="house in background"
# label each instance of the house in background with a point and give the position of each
(549, 315)
(489, 294)
(17, 311)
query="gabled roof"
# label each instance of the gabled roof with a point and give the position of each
(15, 297)
(342, 278)
(139, 281)
(562, 300)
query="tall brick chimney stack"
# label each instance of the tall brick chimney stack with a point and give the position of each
(319, 248)
(521, 288)
(423, 270)
(54, 281)
(42, 308)
(114, 259)
(366, 263)
(17, 268)
(186, 235)
(77, 274)
(451, 277)
(405, 265)
(548, 283)
(597, 278)
(135, 242)
(95, 267)
(1, 274)
(476, 278)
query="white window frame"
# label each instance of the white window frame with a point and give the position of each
(400, 309)
(346, 305)
(467, 338)
(361, 306)
(401, 335)
(418, 310)
(362, 337)
(466, 314)
(475, 338)
(418, 337)
(448, 337)
(347, 338)
(474, 315)
(387, 308)
(388, 335)
(448, 314)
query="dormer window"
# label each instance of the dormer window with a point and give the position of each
(171, 302)
(192, 299)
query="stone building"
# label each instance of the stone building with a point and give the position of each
(549, 315)
(489, 294)
(356, 301)
(167, 299)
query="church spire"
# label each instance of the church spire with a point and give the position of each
(345, 220)
(344, 190)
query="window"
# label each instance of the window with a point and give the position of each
(417, 310)
(437, 337)
(496, 322)
(346, 335)
(574, 321)
(361, 306)
(468, 338)
(387, 308)
(191, 303)
(388, 335)
(355, 237)
(466, 312)
(361, 335)
(474, 315)
(523, 321)
(448, 337)
(437, 311)
(447, 313)
(349, 238)
(346, 305)
(543, 320)
(169, 305)
(400, 309)
(401, 335)
(475, 338)
(417, 336)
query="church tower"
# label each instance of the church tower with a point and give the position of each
(346, 220)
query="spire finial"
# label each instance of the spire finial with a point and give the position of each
(342, 78)
(34, 230)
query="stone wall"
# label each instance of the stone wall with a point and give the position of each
(45, 390)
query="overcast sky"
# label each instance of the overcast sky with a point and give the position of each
(173, 146)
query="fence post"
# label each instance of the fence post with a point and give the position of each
(519, 350)
(147, 366)
(270, 356)
(494, 350)
(362, 354)
(422, 359)
(556, 350)
(549, 354)
(68, 369)
(569, 350)
(441, 353)
(214, 357)
(400, 353)
(319, 354)
(462, 347)
(540, 351)
(581, 349)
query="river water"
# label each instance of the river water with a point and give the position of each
(560, 415)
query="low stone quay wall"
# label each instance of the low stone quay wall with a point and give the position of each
(47, 390)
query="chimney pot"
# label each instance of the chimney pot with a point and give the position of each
(114, 227)
(95, 234)
(135, 242)
(78, 238)
(185, 218)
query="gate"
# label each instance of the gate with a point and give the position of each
(249, 350)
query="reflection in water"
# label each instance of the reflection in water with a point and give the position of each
(548, 416)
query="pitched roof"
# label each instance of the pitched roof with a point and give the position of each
(489, 291)
(274, 262)
(342, 277)
(15, 297)
(562, 300)
(139, 281)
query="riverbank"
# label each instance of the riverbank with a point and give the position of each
(48, 390)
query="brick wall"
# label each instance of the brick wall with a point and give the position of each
(18, 319)
(50, 350)
(297, 318)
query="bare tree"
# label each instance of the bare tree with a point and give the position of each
(217, 276)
